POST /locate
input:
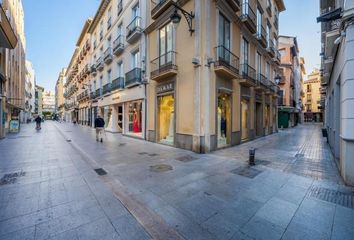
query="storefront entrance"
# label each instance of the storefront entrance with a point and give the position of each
(267, 119)
(166, 119)
(259, 119)
(244, 119)
(134, 116)
(224, 119)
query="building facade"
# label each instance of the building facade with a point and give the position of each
(48, 103)
(59, 95)
(38, 102)
(312, 97)
(29, 93)
(337, 71)
(8, 41)
(14, 63)
(211, 78)
(289, 104)
(202, 84)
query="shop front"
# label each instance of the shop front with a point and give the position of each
(266, 115)
(224, 108)
(245, 113)
(259, 114)
(165, 114)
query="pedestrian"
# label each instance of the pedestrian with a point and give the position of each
(38, 121)
(99, 126)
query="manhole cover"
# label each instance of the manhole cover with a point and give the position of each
(161, 168)
(345, 199)
(153, 154)
(100, 171)
(11, 178)
(142, 153)
(246, 171)
(68, 140)
(186, 158)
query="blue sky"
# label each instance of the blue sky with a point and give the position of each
(53, 26)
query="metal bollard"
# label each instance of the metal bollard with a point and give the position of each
(252, 154)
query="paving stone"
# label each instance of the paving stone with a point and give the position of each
(260, 228)
(129, 228)
(23, 234)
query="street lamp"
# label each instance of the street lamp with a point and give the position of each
(277, 79)
(176, 17)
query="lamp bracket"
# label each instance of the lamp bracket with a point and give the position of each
(188, 16)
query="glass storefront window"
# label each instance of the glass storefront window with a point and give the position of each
(244, 119)
(224, 119)
(134, 118)
(166, 119)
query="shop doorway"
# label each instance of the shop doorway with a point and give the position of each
(259, 119)
(267, 119)
(224, 119)
(166, 119)
(244, 119)
(120, 118)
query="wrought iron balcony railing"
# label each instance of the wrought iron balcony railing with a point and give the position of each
(133, 77)
(225, 58)
(163, 63)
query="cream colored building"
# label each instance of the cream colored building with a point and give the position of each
(312, 97)
(59, 95)
(211, 83)
(14, 63)
(38, 107)
(29, 92)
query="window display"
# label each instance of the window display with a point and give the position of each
(244, 120)
(166, 119)
(134, 117)
(224, 119)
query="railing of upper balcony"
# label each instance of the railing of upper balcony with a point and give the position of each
(248, 12)
(157, 6)
(118, 83)
(106, 88)
(119, 42)
(98, 92)
(248, 72)
(134, 25)
(164, 63)
(224, 57)
(120, 6)
(261, 33)
(133, 76)
(107, 53)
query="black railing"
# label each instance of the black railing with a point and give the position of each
(133, 77)
(262, 80)
(106, 88)
(92, 95)
(120, 6)
(98, 92)
(157, 6)
(163, 63)
(108, 53)
(118, 83)
(225, 58)
(247, 12)
(135, 25)
(119, 42)
(109, 23)
(261, 33)
(248, 72)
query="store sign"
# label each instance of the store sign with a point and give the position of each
(14, 126)
(165, 88)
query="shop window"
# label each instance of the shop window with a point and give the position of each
(134, 123)
(166, 119)
(224, 119)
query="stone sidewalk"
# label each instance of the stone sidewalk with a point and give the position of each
(155, 191)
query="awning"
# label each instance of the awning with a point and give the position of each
(329, 16)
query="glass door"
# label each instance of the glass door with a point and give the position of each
(224, 39)
(224, 119)
(166, 119)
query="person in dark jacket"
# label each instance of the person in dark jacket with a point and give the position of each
(99, 126)
(38, 121)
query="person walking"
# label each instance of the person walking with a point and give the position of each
(99, 126)
(38, 121)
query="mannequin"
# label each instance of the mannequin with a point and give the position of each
(136, 124)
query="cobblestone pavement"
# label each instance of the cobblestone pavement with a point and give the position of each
(49, 189)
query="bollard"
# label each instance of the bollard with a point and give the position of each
(252, 153)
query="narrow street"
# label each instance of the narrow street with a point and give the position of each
(49, 189)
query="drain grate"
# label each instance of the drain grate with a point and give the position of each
(246, 171)
(100, 171)
(161, 168)
(68, 140)
(142, 153)
(345, 199)
(186, 158)
(11, 178)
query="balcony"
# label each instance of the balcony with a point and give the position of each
(117, 83)
(269, 8)
(133, 77)
(270, 48)
(276, 22)
(92, 95)
(120, 7)
(249, 76)
(108, 56)
(8, 37)
(226, 63)
(134, 30)
(98, 93)
(262, 81)
(277, 56)
(234, 4)
(164, 66)
(109, 23)
(261, 35)
(106, 88)
(248, 17)
(323, 90)
(99, 64)
(93, 70)
(118, 45)
(160, 7)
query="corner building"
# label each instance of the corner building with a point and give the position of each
(212, 83)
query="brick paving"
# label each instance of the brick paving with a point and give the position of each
(53, 192)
